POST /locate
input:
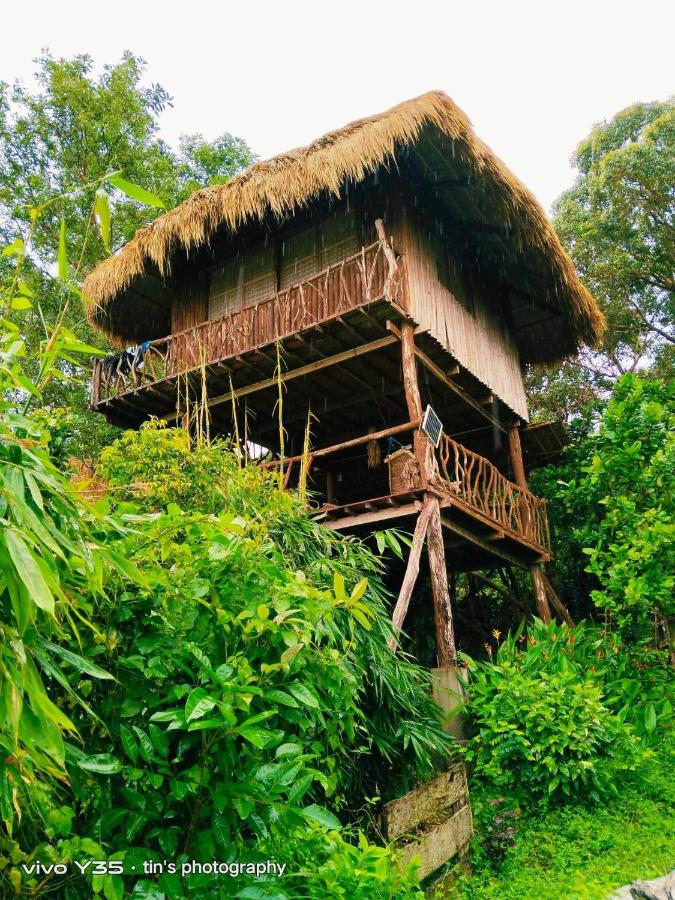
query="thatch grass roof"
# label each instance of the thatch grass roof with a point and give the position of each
(291, 181)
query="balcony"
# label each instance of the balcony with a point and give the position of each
(356, 282)
(489, 516)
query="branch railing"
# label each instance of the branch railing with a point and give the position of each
(371, 274)
(480, 485)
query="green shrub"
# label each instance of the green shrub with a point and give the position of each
(540, 727)
(254, 694)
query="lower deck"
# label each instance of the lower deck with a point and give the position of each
(472, 541)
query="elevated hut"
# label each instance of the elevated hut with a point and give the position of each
(395, 277)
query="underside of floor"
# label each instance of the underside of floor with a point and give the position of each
(473, 542)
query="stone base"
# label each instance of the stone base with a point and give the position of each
(446, 687)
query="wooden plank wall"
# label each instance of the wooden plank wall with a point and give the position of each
(432, 822)
(480, 341)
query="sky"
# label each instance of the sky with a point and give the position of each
(534, 77)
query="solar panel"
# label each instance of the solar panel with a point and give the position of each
(432, 426)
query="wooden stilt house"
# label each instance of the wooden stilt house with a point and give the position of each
(396, 278)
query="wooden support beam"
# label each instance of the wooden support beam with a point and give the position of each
(451, 386)
(354, 442)
(559, 606)
(299, 372)
(424, 450)
(492, 549)
(412, 571)
(536, 572)
(370, 518)
(539, 588)
(516, 454)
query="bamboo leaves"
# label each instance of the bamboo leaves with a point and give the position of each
(28, 570)
(134, 192)
(103, 217)
(62, 258)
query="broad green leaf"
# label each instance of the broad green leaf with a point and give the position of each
(261, 892)
(16, 248)
(304, 695)
(29, 571)
(20, 303)
(127, 568)
(129, 743)
(339, 586)
(256, 736)
(146, 748)
(650, 718)
(198, 704)
(318, 814)
(361, 618)
(276, 696)
(101, 763)
(359, 590)
(160, 741)
(63, 253)
(134, 192)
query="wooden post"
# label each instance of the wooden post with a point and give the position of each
(536, 573)
(560, 607)
(516, 453)
(95, 383)
(424, 451)
(445, 633)
(390, 256)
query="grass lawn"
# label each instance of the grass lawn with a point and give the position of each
(586, 852)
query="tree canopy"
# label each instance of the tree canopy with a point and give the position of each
(618, 223)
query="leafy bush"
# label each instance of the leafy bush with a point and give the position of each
(231, 706)
(540, 727)
(401, 719)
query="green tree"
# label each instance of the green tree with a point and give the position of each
(202, 162)
(612, 502)
(58, 142)
(617, 222)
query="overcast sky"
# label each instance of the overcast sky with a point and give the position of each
(532, 76)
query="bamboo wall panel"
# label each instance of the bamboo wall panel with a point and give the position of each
(191, 308)
(480, 341)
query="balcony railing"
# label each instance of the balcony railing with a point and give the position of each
(480, 485)
(355, 281)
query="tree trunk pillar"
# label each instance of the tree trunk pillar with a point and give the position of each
(445, 631)
(536, 574)
(424, 452)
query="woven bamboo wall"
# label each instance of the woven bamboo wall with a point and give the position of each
(474, 333)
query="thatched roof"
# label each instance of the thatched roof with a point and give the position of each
(503, 209)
